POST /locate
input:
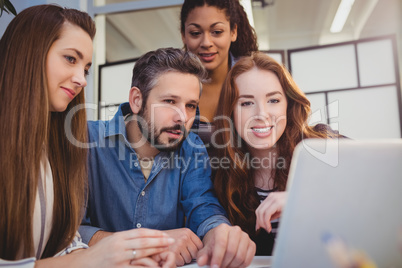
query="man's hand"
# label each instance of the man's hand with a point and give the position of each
(270, 209)
(226, 246)
(186, 245)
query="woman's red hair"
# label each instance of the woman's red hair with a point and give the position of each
(234, 185)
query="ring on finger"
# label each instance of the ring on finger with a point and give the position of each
(134, 254)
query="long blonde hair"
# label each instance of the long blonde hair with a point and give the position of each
(27, 127)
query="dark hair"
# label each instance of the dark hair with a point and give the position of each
(28, 128)
(235, 186)
(153, 64)
(246, 41)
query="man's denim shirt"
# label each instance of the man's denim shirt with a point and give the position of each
(178, 193)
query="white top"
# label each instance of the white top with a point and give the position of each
(42, 220)
(44, 201)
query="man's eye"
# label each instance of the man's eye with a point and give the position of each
(169, 101)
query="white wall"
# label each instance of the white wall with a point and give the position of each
(360, 83)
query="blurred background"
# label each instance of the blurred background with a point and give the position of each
(127, 29)
(280, 24)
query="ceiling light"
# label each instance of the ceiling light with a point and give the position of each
(263, 3)
(341, 15)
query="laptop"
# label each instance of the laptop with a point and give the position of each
(347, 190)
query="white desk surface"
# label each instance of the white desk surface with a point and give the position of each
(258, 262)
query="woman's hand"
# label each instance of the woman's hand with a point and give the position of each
(138, 247)
(165, 259)
(270, 209)
(132, 248)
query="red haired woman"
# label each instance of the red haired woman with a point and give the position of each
(261, 117)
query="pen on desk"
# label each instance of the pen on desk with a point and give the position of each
(342, 256)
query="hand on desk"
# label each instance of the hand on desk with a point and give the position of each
(165, 259)
(186, 245)
(270, 209)
(117, 249)
(226, 246)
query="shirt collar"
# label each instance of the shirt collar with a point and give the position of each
(116, 125)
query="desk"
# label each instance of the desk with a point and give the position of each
(258, 262)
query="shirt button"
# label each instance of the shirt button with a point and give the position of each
(138, 225)
(143, 193)
(136, 164)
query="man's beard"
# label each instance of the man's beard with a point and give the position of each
(153, 136)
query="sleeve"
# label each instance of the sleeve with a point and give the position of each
(86, 230)
(76, 244)
(24, 263)
(202, 208)
(211, 223)
(30, 262)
